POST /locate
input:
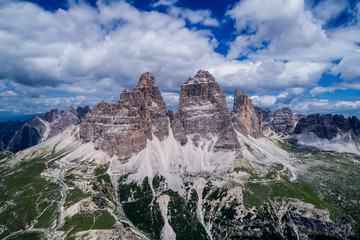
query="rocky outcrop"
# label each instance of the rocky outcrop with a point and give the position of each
(60, 121)
(203, 114)
(41, 128)
(266, 113)
(28, 135)
(123, 128)
(245, 118)
(281, 124)
(328, 126)
(52, 115)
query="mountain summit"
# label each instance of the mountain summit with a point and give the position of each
(203, 113)
(123, 128)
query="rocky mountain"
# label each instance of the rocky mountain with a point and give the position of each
(40, 128)
(266, 113)
(131, 170)
(203, 114)
(328, 126)
(281, 124)
(329, 132)
(246, 119)
(123, 128)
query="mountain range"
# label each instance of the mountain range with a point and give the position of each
(133, 170)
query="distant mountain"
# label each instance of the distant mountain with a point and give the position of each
(327, 132)
(40, 128)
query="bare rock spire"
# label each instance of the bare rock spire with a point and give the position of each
(245, 118)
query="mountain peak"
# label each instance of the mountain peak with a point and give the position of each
(244, 116)
(146, 79)
(202, 76)
(203, 113)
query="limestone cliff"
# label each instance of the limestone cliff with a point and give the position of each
(245, 118)
(203, 113)
(122, 128)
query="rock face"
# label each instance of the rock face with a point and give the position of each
(203, 114)
(41, 128)
(266, 113)
(123, 128)
(245, 118)
(28, 135)
(282, 123)
(60, 121)
(328, 126)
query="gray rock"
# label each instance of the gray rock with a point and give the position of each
(28, 135)
(266, 113)
(122, 128)
(281, 123)
(203, 113)
(33, 131)
(328, 126)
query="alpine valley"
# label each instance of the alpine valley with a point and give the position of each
(134, 170)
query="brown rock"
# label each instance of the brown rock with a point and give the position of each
(245, 118)
(122, 128)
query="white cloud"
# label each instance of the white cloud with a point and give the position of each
(171, 100)
(286, 30)
(320, 90)
(195, 17)
(349, 67)
(263, 76)
(230, 101)
(8, 94)
(164, 3)
(329, 9)
(326, 106)
(96, 52)
(2, 85)
(264, 101)
(285, 24)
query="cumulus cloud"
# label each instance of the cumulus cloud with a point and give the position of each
(195, 17)
(326, 106)
(328, 9)
(265, 101)
(164, 3)
(8, 94)
(94, 52)
(287, 30)
(263, 76)
(320, 90)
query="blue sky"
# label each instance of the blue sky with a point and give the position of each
(302, 54)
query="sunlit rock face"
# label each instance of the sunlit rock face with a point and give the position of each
(203, 113)
(122, 128)
(245, 118)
